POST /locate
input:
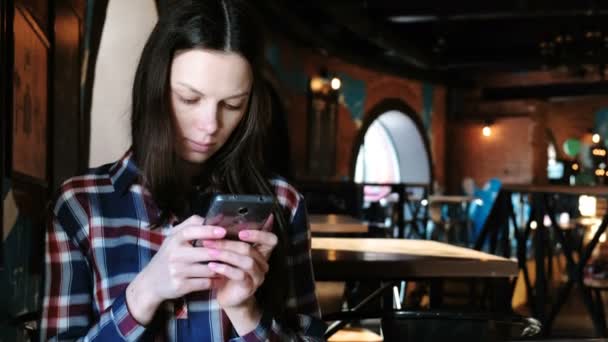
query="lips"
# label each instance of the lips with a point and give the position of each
(200, 147)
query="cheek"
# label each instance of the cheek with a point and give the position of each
(231, 121)
(181, 119)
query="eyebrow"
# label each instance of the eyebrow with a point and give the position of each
(201, 94)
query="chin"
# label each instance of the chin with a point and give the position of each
(195, 157)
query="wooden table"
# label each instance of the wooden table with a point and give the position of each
(336, 224)
(396, 259)
(570, 340)
(390, 260)
(591, 190)
(450, 199)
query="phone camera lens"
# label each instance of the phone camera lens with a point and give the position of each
(243, 211)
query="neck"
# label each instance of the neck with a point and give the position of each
(190, 170)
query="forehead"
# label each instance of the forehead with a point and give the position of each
(214, 73)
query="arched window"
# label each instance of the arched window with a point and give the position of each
(377, 159)
(392, 149)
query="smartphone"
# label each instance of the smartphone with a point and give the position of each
(239, 212)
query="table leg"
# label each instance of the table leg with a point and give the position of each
(575, 275)
(521, 238)
(600, 312)
(540, 288)
(339, 324)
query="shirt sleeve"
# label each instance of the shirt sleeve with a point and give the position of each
(302, 296)
(68, 312)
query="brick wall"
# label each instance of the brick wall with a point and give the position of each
(378, 86)
(511, 154)
(506, 154)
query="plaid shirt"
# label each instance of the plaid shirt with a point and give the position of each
(97, 242)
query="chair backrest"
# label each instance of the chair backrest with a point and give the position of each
(482, 205)
(332, 197)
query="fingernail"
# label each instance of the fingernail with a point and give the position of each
(219, 231)
(244, 234)
(214, 252)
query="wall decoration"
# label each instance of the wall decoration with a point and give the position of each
(428, 95)
(30, 98)
(354, 94)
(323, 95)
(6, 53)
(601, 123)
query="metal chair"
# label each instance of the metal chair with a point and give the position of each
(424, 326)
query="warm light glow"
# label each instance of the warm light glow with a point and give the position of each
(600, 172)
(533, 225)
(599, 152)
(596, 138)
(486, 131)
(336, 83)
(575, 167)
(316, 84)
(547, 221)
(564, 219)
(587, 205)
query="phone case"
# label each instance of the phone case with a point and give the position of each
(238, 212)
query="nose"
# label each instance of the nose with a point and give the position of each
(207, 118)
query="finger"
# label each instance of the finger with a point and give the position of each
(239, 247)
(267, 227)
(192, 255)
(196, 284)
(193, 270)
(242, 262)
(228, 271)
(198, 271)
(199, 232)
(192, 220)
(265, 241)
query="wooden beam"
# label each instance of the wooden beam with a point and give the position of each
(284, 22)
(546, 91)
(376, 33)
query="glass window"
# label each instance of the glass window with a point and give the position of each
(377, 162)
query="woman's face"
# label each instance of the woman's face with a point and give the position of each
(209, 94)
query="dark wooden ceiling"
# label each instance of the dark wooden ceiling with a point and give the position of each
(449, 39)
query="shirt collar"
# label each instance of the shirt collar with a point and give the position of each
(124, 172)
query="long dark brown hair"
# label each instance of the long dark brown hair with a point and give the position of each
(221, 25)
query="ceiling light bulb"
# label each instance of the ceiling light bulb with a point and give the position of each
(486, 131)
(336, 83)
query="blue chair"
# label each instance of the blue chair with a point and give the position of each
(480, 209)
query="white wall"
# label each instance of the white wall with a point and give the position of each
(128, 24)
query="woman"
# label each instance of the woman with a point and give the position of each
(126, 259)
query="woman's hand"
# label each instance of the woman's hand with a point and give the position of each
(175, 270)
(242, 264)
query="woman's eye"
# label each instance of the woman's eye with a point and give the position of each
(189, 101)
(232, 107)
